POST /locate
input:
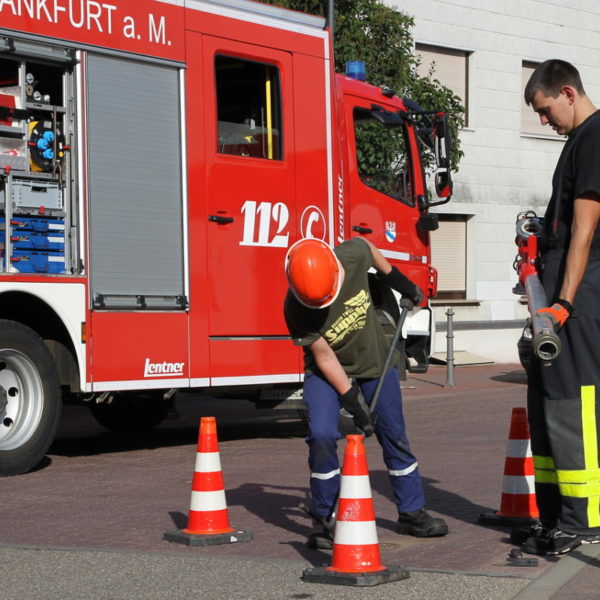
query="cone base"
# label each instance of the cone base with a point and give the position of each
(325, 575)
(499, 520)
(179, 536)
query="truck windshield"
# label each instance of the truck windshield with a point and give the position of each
(381, 156)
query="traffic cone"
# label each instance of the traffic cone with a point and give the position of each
(356, 559)
(518, 504)
(208, 520)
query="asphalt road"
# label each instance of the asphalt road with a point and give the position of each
(88, 523)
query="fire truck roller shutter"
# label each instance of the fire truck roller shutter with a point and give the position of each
(30, 399)
(135, 182)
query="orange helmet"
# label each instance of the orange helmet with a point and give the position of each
(314, 272)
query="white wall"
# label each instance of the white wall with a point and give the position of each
(503, 171)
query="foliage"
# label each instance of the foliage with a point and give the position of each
(381, 157)
(381, 36)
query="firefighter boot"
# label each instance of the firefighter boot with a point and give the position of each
(421, 524)
(519, 535)
(557, 542)
(321, 536)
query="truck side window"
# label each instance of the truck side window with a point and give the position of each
(248, 108)
(381, 157)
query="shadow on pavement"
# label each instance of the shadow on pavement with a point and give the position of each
(92, 439)
(180, 520)
(511, 377)
(277, 506)
(436, 499)
(272, 506)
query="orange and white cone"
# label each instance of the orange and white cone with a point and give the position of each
(518, 501)
(208, 520)
(356, 559)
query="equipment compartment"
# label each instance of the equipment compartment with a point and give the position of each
(36, 194)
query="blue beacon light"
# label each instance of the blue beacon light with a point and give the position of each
(356, 69)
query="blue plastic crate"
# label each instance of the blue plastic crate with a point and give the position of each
(38, 224)
(26, 240)
(26, 261)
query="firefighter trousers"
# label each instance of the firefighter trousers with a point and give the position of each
(323, 413)
(563, 405)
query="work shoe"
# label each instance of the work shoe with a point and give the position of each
(321, 536)
(557, 542)
(519, 535)
(421, 524)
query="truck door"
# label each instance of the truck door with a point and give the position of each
(250, 182)
(383, 204)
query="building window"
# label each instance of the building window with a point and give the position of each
(449, 256)
(450, 68)
(530, 120)
(249, 108)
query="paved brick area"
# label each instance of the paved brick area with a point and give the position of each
(101, 490)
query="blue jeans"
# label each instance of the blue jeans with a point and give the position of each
(323, 412)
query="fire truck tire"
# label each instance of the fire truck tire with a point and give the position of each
(30, 400)
(131, 411)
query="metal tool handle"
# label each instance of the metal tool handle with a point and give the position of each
(388, 359)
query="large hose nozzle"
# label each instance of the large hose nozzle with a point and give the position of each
(545, 343)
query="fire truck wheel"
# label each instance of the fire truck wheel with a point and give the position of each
(30, 400)
(131, 411)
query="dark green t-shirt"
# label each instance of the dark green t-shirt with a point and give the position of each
(349, 325)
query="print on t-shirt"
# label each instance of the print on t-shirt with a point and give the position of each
(354, 317)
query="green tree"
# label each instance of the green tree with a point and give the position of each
(381, 36)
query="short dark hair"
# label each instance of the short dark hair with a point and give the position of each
(550, 76)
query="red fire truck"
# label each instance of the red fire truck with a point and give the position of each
(157, 159)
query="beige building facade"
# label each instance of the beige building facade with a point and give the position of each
(485, 51)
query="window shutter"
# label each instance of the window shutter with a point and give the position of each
(530, 120)
(450, 69)
(449, 257)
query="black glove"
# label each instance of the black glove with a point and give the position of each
(410, 303)
(354, 402)
(411, 294)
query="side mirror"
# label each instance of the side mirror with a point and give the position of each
(441, 136)
(443, 184)
(441, 140)
(428, 222)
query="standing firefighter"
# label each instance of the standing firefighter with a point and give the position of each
(330, 314)
(562, 395)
